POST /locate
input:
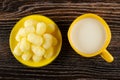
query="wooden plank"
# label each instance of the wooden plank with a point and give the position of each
(68, 65)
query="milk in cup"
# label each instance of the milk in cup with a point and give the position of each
(88, 35)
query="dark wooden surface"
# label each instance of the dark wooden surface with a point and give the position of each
(68, 65)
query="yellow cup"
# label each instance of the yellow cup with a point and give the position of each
(57, 34)
(101, 51)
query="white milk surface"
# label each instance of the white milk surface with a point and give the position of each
(88, 35)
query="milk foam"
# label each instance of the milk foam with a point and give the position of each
(88, 35)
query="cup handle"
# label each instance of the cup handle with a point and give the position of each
(107, 56)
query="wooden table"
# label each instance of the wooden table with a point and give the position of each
(68, 65)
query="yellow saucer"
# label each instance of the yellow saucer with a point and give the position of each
(13, 42)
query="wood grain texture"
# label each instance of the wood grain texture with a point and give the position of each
(68, 65)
